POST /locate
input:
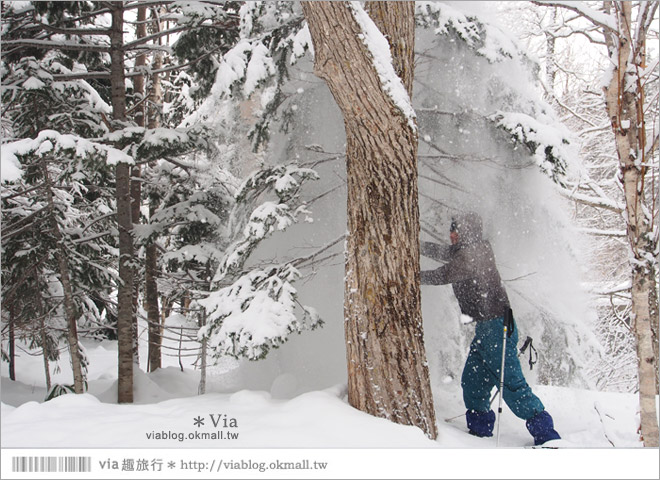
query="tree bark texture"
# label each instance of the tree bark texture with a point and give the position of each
(623, 98)
(400, 34)
(387, 370)
(125, 324)
(151, 306)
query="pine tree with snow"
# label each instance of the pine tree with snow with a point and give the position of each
(54, 205)
(229, 219)
(71, 118)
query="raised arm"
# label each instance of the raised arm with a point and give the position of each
(460, 267)
(435, 251)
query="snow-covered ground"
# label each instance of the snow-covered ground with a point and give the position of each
(169, 414)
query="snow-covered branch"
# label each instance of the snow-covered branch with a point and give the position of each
(143, 40)
(68, 31)
(255, 314)
(644, 20)
(620, 288)
(603, 20)
(54, 45)
(603, 233)
(596, 202)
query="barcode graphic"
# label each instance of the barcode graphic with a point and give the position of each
(51, 464)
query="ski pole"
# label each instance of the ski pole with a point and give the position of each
(508, 321)
(462, 414)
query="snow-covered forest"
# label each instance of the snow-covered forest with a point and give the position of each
(179, 229)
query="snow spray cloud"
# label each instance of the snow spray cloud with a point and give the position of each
(465, 163)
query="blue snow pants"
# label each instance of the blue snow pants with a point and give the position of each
(482, 372)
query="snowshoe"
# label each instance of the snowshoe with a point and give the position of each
(555, 444)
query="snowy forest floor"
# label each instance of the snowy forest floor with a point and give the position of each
(166, 404)
(169, 419)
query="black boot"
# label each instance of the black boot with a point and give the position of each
(480, 423)
(542, 428)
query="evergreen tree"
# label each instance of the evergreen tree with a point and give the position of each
(71, 116)
(55, 214)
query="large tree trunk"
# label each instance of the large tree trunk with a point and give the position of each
(387, 370)
(125, 324)
(624, 107)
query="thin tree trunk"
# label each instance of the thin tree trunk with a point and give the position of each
(125, 314)
(550, 66)
(12, 343)
(151, 305)
(136, 170)
(165, 311)
(626, 117)
(67, 289)
(46, 352)
(387, 370)
(72, 327)
(44, 337)
(653, 312)
(151, 294)
(201, 390)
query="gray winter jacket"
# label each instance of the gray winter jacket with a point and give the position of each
(470, 268)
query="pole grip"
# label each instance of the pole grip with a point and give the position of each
(508, 322)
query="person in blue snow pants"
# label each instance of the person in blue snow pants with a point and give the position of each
(471, 270)
(482, 372)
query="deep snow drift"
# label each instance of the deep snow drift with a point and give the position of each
(168, 400)
(167, 413)
(314, 419)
